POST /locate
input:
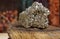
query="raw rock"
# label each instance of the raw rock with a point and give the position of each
(34, 16)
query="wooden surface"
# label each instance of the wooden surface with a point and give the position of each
(49, 33)
(4, 36)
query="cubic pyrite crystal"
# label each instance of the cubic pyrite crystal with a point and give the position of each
(34, 16)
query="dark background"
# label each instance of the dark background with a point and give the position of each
(21, 5)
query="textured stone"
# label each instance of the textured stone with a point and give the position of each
(34, 16)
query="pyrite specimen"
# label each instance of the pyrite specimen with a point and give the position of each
(34, 16)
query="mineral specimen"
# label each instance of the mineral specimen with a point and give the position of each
(34, 16)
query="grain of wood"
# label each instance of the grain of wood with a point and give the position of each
(50, 33)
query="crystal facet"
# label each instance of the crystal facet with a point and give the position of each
(34, 16)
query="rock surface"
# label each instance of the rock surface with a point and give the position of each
(34, 16)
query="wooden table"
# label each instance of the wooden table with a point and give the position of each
(49, 33)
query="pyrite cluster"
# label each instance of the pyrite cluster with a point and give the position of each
(34, 16)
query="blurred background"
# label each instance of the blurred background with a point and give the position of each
(11, 9)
